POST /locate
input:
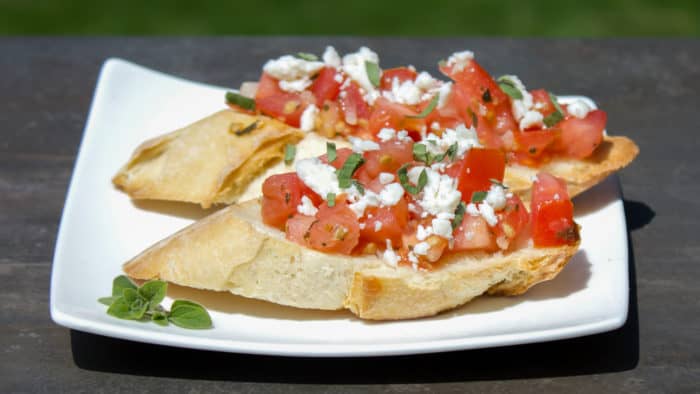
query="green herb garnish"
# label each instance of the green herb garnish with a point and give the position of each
(373, 72)
(331, 154)
(479, 196)
(556, 116)
(289, 152)
(359, 187)
(352, 163)
(240, 100)
(427, 110)
(459, 215)
(403, 179)
(330, 199)
(246, 129)
(509, 87)
(131, 302)
(421, 153)
(310, 57)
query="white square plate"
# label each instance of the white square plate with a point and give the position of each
(101, 228)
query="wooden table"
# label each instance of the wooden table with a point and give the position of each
(649, 88)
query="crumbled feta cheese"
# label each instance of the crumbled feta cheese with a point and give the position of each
(338, 78)
(354, 67)
(459, 60)
(472, 209)
(359, 145)
(440, 193)
(442, 227)
(413, 259)
(390, 257)
(444, 94)
(362, 226)
(439, 167)
(413, 208)
(320, 177)
(421, 248)
(488, 214)
(386, 134)
(386, 178)
(531, 119)
(423, 232)
(402, 135)
(426, 82)
(293, 73)
(578, 108)
(414, 173)
(360, 202)
(377, 225)
(464, 137)
(435, 126)
(405, 92)
(496, 197)
(391, 194)
(307, 207)
(308, 118)
(330, 57)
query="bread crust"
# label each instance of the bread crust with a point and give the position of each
(613, 154)
(232, 250)
(205, 162)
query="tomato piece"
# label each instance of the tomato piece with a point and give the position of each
(534, 142)
(542, 103)
(297, 228)
(476, 169)
(401, 73)
(474, 234)
(389, 158)
(392, 115)
(336, 229)
(353, 104)
(281, 195)
(330, 122)
(552, 213)
(341, 155)
(511, 221)
(580, 137)
(275, 102)
(325, 87)
(393, 222)
(491, 110)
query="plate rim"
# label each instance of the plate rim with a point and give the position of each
(301, 349)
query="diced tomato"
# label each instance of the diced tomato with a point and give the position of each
(552, 213)
(393, 222)
(297, 228)
(400, 73)
(533, 143)
(281, 195)
(511, 221)
(336, 229)
(474, 234)
(325, 87)
(275, 102)
(580, 137)
(542, 102)
(389, 158)
(476, 169)
(392, 115)
(353, 104)
(341, 155)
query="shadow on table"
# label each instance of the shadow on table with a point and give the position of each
(612, 351)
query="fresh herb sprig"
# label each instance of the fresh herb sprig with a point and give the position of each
(459, 215)
(240, 100)
(344, 174)
(309, 57)
(406, 183)
(422, 154)
(246, 129)
(131, 302)
(373, 73)
(509, 87)
(290, 151)
(556, 116)
(427, 110)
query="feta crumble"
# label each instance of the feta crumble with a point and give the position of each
(307, 207)
(440, 193)
(377, 226)
(318, 176)
(459, 60)
(421, 248)
(354, 67)
(308, 118)
(386, 178)
(389, 256)
(330, 57)
(294, 74)
(578, 108)
(523, 110)
(391, 194)
(464, 137)
(359, 145)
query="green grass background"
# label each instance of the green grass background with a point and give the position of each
(590, 18)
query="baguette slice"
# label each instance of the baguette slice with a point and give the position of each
(613, 154)
(232, 250)
(206, 162)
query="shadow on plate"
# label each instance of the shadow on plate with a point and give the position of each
(175, 208)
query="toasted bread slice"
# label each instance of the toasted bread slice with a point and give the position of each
(232, 250)
(210, 161)
(613, 154)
